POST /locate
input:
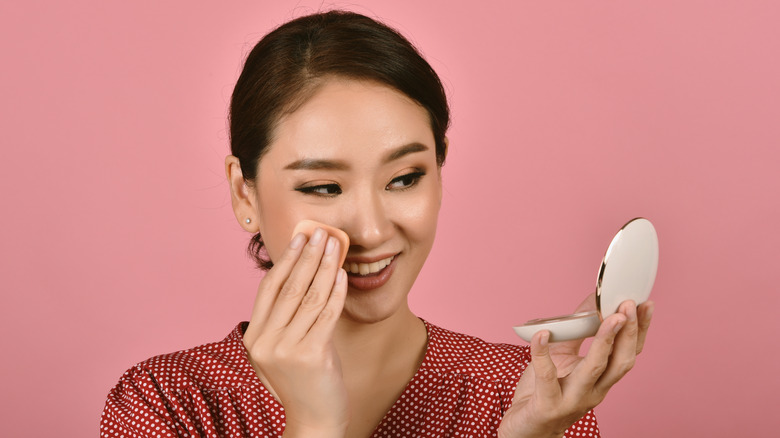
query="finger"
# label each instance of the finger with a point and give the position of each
(624, 352)
(322, 329)
(317, 296)
(297, 284)
(596, 361)
(573, 347)
(271, 283)
(589, 303)
(546, 375)
(645, 317)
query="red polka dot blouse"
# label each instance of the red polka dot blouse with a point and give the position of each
(462, 388)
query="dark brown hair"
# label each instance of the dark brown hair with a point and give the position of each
(286, 67)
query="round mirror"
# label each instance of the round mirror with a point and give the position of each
(627, 272)
(629, 267)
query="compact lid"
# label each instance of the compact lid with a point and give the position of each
(629, 267)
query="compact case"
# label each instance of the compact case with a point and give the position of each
(627, 272)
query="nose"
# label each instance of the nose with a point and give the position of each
(367, 221)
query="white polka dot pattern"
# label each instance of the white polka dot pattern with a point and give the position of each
(462, 389)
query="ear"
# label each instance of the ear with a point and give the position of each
(446, 150)
(242, 197)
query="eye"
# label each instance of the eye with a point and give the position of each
(327, 190)
(404, 182)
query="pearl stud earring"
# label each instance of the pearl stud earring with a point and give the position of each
(248, 221)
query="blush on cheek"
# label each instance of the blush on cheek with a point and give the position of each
(422, 213)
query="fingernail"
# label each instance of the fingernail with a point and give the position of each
(330, 245)
(317, 237)
(545, 339)
(649, 312)
(340, 276)
(617, 327)
(631, 313)
(297, 241)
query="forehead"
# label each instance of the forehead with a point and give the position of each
(350, 119)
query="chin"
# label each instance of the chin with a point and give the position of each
(370, 308)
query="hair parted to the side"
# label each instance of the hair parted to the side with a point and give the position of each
(286, 67)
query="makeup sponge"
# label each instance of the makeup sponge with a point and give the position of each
(307, 227)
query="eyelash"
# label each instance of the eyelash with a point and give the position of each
(333, 189)
(413, 178)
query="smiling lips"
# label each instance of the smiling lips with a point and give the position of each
(367, 276)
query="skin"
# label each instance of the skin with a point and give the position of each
(336, 357)
(561, 386)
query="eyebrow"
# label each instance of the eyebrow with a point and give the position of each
(405, 150)
(320, 164)
(315, 164)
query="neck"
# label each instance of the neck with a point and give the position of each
(399, 340)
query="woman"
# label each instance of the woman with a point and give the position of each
(336, 118)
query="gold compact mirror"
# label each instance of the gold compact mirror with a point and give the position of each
(627, 272)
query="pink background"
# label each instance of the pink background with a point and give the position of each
(569, 118)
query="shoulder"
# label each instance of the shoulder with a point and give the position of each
(464, 354)
(174, 394)
(211, 366)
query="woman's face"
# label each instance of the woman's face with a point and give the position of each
(359, 156)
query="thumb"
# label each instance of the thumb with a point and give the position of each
(573, 347)
(589, 303)
(546, 375)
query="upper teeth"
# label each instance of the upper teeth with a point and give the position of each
(367, 268)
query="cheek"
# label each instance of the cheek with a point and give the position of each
(278, 218)
(419, 215)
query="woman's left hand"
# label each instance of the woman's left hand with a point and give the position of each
(560, 386)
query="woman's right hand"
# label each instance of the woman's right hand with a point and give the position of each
(290, 335)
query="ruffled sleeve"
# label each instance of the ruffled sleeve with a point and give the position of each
(138, 407)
